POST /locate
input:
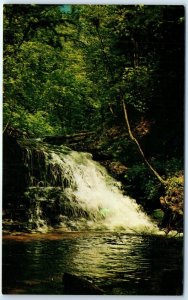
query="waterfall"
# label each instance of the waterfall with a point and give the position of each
(68, 190)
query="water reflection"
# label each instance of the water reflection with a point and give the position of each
(120, 264)
(103, 257)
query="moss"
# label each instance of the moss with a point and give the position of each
(158, 215)
(172, 203)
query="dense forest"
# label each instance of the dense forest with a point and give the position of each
(113, 73)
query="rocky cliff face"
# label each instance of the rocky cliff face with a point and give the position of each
(27, 200)
(14, 182)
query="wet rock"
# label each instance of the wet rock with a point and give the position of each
(75, 285)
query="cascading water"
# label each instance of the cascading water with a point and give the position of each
(69, 190)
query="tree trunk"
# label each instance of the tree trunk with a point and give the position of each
(152, 170)
(106, 60)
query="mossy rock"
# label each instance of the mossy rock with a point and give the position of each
(172, 203)
(158, 215)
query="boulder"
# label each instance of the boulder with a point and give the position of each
(75, 285)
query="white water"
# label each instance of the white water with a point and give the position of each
(92, 190)
(100, 194)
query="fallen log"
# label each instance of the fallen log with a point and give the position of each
(69, 138)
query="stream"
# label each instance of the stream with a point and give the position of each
(120, 264)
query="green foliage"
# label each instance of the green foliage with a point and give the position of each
(140, 184)
(73, 65)
(173, 166)
(138, 87)
(175, 183)
(16, 117)
(66, 70)
(39, 76)
(158, 215)
(37, 124)
(173, 203)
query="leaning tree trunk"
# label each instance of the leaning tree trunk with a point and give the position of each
(152, 170)
(175, 217)
(107, 65)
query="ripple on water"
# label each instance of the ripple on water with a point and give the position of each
(118, 263)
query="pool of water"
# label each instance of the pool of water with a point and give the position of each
(118, 263)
